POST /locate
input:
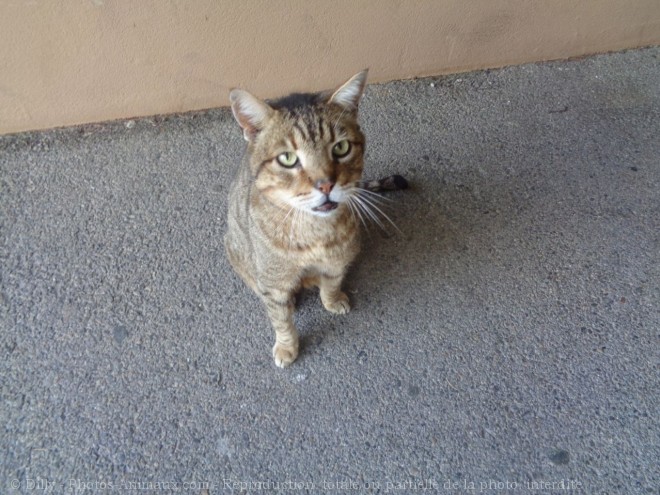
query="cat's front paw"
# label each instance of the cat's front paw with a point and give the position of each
(338, 305)
(284, 355)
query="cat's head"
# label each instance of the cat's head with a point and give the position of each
(305, 150)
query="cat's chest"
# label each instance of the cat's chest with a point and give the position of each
(339, 251)
(314, 245)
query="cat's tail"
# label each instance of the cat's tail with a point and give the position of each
(390, 183)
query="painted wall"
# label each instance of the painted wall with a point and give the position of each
(73, 61)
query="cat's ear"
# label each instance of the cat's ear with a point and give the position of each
(250, 112)
(348, 95)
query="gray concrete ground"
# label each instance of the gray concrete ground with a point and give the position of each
(505, 342)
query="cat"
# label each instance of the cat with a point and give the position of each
(297, 201)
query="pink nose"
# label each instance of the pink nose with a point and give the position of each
(325, 186)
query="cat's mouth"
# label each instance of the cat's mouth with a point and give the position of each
(325, 207)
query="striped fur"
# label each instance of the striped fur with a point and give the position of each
(297, 202)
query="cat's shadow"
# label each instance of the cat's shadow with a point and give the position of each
(443, 232)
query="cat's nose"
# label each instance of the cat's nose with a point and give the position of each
(325, 186)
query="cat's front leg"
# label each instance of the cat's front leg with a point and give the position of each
(332, 297)
(280, 307)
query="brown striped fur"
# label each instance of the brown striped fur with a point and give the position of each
(277, 239)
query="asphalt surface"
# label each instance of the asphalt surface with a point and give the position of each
(506, 341)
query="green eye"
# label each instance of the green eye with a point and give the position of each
(342, 148)
(287, 159)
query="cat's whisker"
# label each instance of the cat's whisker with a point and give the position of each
(365, 221)
(354, 208)
(368, 211)
(350, 208)
(375, 202)
(285, 210)
(376, 206)
(375, 211)
(281, 224)
(374, 194)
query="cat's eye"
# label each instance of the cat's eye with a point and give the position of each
(341, 149)
(287, 159)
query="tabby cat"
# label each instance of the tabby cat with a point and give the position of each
(296, 203)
